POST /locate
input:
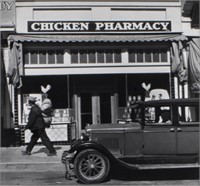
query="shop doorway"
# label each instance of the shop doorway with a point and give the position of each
(96, 107)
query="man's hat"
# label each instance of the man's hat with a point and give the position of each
(32, 99)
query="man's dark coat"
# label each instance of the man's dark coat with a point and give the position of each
(35, 120)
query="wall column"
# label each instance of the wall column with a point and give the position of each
(176, 89)
(8, 95)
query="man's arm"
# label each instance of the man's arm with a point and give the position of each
(31, 119)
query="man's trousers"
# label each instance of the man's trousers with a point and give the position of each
(40, 133)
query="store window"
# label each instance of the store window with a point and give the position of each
(148, 55)
(35, 57)
(158, 115)
(96, 56)
(59, 94)
(188, 115)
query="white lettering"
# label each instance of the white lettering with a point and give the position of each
(99, 26)
(35, 26)
(137, 26)
(118, 26)
(109, 26)
(127, 26)
(147, 26)
(66, 26)
(84, 26)
(58, 26)
(164, 25)
(75, 26)
(155, 26)
(46, 26)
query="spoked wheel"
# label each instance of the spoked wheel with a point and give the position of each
(91, 166)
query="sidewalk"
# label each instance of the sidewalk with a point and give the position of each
(13, 160)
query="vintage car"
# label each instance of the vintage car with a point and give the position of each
(160, 134)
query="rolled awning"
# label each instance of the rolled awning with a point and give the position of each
(16, 61)
(97, 38)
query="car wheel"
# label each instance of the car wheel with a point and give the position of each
(91, 166)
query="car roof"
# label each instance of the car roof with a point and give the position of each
(184, 101)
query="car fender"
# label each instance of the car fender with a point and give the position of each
(83, 145)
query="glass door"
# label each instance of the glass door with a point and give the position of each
(86, 109)
(105, 108)
(95, 108)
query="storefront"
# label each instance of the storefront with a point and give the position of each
(94, 63)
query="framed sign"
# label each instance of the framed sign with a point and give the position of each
(99, 26)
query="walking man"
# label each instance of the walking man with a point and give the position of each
(37, 126)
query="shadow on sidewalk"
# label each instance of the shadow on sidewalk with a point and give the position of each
(119, 173)
(45, 150)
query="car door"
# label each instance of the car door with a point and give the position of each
(159, 134)
(188, 130)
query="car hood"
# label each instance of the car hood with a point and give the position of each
(114, 127)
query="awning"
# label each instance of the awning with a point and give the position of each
(16, 63)
(97, 38)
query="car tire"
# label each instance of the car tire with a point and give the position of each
(91, 166)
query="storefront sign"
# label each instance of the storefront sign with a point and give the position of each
(98, 26)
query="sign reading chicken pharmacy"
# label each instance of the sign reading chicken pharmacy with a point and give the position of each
(104, 26)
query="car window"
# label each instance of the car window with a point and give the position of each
(128, 115)
(136, 114)
(188, 115)
(158, 115)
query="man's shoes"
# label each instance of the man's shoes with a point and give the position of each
(52, 154)
(26, 153)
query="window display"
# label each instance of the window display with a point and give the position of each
(61, 118)
(61, 115)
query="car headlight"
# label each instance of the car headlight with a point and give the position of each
(85, 136)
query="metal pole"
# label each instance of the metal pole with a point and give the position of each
(68, 92)
(126, 84)
(68, 100)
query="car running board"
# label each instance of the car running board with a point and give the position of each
(168, 166)
(158, 166)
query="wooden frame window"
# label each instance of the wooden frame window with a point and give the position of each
(148, 56)
(42, 57)
(96, 56)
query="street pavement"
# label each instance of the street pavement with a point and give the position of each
(12, 159)
(40, 169)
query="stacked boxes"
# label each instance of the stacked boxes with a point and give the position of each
(61, 115)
